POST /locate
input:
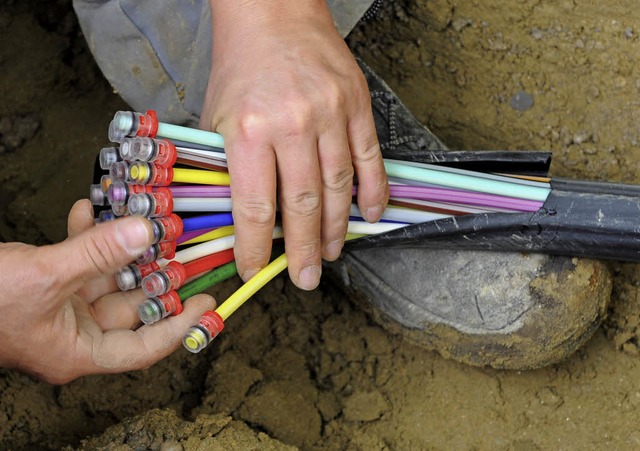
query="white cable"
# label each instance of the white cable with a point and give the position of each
(201, 204)
(401, 214)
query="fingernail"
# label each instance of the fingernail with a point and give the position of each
(372, 214)
(134, 236)
(309, 278)
(249, 273)
(333, 249)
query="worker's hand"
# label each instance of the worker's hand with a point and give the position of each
(61, 315)
(295, 111)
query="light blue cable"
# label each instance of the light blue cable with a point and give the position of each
(394, 169)
(466, 182)
(191, 135)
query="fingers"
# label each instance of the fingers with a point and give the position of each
(126, 350)
(118, 310)
(373, 186)
(98, 287)
(300, 195)
(100, 250)
(253, 190)
(80, 217)
(337, 182)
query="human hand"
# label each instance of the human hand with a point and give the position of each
(61, 315)
(295, 111)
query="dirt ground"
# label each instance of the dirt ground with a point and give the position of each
(312, 370)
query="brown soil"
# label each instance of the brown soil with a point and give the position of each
(313, 370)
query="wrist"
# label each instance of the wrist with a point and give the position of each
(248, 13)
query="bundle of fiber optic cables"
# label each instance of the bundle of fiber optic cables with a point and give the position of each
(177, 177)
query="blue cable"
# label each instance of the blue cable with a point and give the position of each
(207, 221)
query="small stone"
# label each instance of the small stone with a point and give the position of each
(460, 23)
(537, 34)
(581, 137)
(521, 101)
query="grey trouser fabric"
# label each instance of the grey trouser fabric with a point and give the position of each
(157, 53)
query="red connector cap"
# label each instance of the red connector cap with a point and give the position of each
(130, 276)
(160, 282)
(165, 249)
(152, 205)
(172, 303)
(147, 124)
(158, 307)
(213, 322)
(143, 173)
(166, 153)
(200, 335)
(169, 228)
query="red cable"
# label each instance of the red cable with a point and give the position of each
(204, 264)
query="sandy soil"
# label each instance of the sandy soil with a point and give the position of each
(313, 370)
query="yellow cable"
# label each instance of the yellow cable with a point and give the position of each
(247, 290)
(212, 235)
(200, 176)
(242, 295)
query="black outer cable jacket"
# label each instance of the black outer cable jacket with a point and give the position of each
(530, 162)
(584, 186)
(533, 163)
(580, 219)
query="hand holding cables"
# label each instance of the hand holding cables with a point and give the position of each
(299, 119)
(424, 193)
(62, 316)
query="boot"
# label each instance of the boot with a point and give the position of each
(483, 308)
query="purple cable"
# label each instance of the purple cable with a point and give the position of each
(406, 191)
(186, 236)
(464, 197)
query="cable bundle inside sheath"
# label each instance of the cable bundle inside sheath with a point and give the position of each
(177, 177)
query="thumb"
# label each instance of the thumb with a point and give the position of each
(103, 249)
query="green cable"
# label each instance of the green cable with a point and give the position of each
(190, 135)
(211, 278)
(466, 182)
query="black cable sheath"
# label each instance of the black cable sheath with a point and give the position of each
(579, 218)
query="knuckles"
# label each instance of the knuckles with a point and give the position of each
(303, 204)
(256, 212)
(341, 180)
